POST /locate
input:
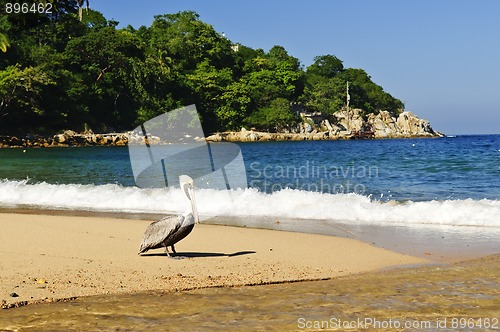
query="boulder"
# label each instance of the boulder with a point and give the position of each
(69, 133)
(411, 126)
(59, 138)
(265, 137)
(383, 125)
(214, 138)
(320, 136)
(307, 128)
(352, 121)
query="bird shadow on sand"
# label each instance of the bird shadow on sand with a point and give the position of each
(201, 254)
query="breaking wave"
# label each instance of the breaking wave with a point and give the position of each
(288, 203)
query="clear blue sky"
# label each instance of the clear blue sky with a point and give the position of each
(442, 58)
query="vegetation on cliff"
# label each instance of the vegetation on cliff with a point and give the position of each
(60, 72)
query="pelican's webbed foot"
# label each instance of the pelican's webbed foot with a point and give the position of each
(175, 252)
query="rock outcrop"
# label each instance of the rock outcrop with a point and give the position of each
(67, 138)
(71, 138)
(253, 136)
(383, 125)
(341, 126)
(352, 122)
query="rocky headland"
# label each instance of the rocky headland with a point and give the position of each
(67, 138)
(344, 125)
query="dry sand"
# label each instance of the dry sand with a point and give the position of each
(55, 257)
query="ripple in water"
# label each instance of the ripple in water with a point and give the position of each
(429, 294)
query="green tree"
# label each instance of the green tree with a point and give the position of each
(367, 95)
(4, 42)
(102, 61)
(151, 85)
(189, 41)
(207, 84)
(325, 90)
(233, 106)
(200, 62)
(19, 95)
(327, 95)
(275, 75)
(326, 66)
(276, 117)
(64, 70)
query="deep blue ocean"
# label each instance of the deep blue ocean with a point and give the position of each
(450, 181)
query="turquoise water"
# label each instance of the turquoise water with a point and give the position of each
(453, 181)
(82, 165)
(400, 169)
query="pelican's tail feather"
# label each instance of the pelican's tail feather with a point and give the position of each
(144, 247)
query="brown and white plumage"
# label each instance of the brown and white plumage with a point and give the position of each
(167, 231)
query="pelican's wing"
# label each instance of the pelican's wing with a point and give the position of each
(160, 230)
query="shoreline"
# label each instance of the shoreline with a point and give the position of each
(437, 243)
(61, 269)
(73, 139)
(48, 258)
(315, 135)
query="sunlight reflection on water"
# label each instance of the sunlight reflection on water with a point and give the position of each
(401, 294)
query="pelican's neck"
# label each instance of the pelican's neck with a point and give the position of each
(192, 199)
(194, 208)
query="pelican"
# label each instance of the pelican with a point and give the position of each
(169, 230)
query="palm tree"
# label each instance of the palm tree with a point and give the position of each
(4, 43)
(80, 7)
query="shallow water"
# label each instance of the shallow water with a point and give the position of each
(466, 293)
(433, 242)
(398, 169)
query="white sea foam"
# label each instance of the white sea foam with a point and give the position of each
(296, 204)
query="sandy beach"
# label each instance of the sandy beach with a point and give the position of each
(49, 257)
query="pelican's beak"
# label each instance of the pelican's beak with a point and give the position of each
(193, 204)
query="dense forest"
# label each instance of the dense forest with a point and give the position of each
(74, 69)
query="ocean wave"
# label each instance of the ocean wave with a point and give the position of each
(287, 204)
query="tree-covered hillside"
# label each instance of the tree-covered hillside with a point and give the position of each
(57, 72)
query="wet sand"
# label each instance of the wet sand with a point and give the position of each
(458, 297)
(431, 242)
(50, 257)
